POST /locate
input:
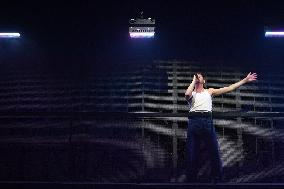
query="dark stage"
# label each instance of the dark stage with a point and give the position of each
(138, 94)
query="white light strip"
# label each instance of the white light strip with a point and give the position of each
(10, 35)
(274, 34)
(142, 34)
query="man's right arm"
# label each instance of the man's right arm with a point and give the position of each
(189, 90)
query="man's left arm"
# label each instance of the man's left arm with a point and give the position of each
(249, 78)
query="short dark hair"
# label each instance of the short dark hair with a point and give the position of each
(201, 73)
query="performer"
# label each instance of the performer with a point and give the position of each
(200, 125)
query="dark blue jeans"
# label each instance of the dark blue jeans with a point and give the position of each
(201, 129)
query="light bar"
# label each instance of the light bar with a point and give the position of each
(10, 35)
(274, 34)
(142, 34)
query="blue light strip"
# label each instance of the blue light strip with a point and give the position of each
(274, 34)
(142, 34)
(10, 35)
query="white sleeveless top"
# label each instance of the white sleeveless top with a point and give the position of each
(200, 101)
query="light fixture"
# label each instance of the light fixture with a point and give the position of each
(10, 35)
(274, 34)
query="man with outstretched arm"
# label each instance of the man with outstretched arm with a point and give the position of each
(200, 124)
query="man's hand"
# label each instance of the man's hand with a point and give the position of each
(251, 77)
(194, 80)
(188, 92)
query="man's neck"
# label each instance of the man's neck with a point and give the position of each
(199, 88)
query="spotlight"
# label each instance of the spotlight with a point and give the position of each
(142, 28)
(274, 34)
(10, 35)
(142, 34)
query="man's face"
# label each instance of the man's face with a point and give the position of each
(200, 79)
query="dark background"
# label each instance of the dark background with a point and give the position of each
(63, 36)
(96, 32)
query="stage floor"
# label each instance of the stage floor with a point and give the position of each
(91, 185)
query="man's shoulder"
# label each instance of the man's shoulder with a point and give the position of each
(210, 90)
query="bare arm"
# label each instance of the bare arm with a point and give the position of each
(188, 92)
(249, 78)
